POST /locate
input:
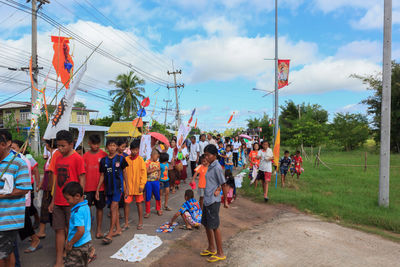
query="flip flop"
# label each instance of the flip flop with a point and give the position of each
(100, 237)
(184, 227)
(206, 252)
(214, 258)
(107, 241)
(159, 213)
(139, 227)
(125, 228)
(147, 215)
(167, 208)
(32, 249)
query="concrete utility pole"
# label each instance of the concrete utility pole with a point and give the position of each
(166, 110)
(176, 86)
(35, 69)
(276, 72)
(384, 164)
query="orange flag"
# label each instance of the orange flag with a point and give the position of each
(195, 125)
(277, 146)
(62, 61)
(230, 119)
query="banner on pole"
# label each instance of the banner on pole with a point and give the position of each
(62, 115)
(145, 147)
(62, 60)
(183, 132)
(283, 72)
(80, 136)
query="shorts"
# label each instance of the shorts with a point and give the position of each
(210, 218)
(78, 256)
(284, 171)
(138, 198)
(164, 185)
(7, 242)
(116, 197)
(61, 215)
(91, 199)
(264, 176)
(188, 218)
(201, 192)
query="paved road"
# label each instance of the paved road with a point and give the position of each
(46, 256)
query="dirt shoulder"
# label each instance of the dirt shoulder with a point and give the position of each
(258, 234)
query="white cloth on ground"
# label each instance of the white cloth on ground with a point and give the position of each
(138, 248)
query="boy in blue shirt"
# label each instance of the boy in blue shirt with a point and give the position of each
(79, 243)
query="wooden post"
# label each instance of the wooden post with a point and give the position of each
(365, 166)
(312, 151)
(319, 154)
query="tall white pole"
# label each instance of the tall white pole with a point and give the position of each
(384, 164)
(35, 137)
(276, 72)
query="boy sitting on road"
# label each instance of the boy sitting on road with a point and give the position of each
(190, 212)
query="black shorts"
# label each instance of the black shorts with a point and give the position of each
(210, 218)
(91, 199)
(7, 243)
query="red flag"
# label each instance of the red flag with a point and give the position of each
(145, 102)
(62, 61)
(190, 120)
(195, 125)
(230, 119)
(283, 72)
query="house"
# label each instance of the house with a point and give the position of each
(22, 113)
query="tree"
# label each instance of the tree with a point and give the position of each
(309, 129)
(374, 102)
(195, 131)
(126, 96)
(160, 128)
(266, 126)
(79, 105)
(349, 130)
(105, 121)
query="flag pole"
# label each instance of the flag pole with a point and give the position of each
(276, 72)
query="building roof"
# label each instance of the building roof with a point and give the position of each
(89, 128)
(23, 104)
(123, 129)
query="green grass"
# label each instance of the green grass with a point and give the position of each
(344, 194)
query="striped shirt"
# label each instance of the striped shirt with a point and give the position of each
(12, 210)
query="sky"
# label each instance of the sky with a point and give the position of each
(222, 47)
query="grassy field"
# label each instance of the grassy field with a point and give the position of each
(344, 194)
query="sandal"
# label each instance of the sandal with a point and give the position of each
(184, 227)
(32, 249)
(167, 208)
(206, 252)
(92, 258)
(140, 227)
(159, 213)
(214, 258)
(147, 215)
(100, 236)
(107, 241)
(126, 227)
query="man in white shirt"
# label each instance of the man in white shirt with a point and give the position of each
(235, 149)
(211, 140)
(265, 155)
(194, 154)
(202, 143)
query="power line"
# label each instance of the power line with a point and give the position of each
(20, 92)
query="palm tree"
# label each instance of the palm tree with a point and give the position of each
(128, 92)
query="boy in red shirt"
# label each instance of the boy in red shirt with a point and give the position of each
(299, 164)
(69, 167)
(92, 165)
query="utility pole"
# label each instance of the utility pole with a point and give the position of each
(166, 110)
(176, 86)
(384, 164)
(35, 69)
(276, 72)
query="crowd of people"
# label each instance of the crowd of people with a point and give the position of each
(74, 181)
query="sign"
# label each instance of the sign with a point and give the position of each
(283, 73)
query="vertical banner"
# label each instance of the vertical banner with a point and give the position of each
(80, 136)
(277, 146)
(183, 132)
(62, 114)
(145, 147)
(283, 72)
(62, 60)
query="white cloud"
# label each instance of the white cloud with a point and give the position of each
(369, 50)
(352, 108)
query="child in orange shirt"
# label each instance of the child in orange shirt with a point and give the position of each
(136, 178)
(201, 171)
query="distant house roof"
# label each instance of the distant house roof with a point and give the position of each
(123, 129)
(89, 128)
(23, 104)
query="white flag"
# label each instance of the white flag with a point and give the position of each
(80, 136)
(183, 132)
(62, 115)
(145, 147)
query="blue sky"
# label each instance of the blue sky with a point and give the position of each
(220, 47)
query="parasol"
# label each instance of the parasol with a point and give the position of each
(160, 137)
(245, 136)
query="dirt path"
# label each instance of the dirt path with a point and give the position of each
(256, 234)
